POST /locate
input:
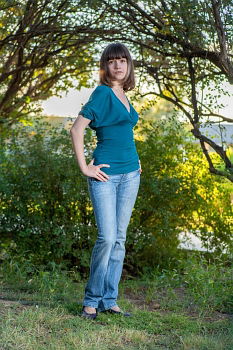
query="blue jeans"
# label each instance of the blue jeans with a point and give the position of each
(113, 202)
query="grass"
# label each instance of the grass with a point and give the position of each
(187, 309)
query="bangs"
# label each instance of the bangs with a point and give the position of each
(115, 51)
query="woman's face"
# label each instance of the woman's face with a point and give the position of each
(117, 68)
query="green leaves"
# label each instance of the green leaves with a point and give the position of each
(46, 212)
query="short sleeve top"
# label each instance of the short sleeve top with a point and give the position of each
(113, 125)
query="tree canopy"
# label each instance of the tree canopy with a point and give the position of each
(44, 46)
(182, 52)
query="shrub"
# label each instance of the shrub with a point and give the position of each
(46, 214)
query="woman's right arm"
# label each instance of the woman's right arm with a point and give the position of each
(77, 136)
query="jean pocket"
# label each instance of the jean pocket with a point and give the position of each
(132, 174)
(95, 180)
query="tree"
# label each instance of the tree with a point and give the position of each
(44, 46)
(184, 52)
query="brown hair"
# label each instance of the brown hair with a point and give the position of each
(116, 50)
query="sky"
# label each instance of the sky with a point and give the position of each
(67, 106)
(70, 105)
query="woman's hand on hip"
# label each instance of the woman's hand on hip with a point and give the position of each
(94, 171)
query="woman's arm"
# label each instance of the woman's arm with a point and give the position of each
(77, 136)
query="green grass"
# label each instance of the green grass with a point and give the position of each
(187, 309)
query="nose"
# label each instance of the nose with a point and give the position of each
(116, 64)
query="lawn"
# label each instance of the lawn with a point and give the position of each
(170, 311)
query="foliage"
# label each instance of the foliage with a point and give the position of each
(183, 54)
(46, 213)
(177, 194)
(44, 206)
(46, 47)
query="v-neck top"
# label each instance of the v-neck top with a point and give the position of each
(113, 125)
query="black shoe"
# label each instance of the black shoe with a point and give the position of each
(126, 314)
(87, 315)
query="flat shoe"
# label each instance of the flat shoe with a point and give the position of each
(126, 314)
(87, 315)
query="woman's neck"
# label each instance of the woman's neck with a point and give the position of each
(117, 87)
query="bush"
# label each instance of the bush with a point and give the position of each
(177, 194)
(46, 213)
(45, 209)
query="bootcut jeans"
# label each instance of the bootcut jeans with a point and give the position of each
(113, 201)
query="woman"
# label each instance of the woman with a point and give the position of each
(114, 189)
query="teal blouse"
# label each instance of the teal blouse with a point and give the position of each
(113, 125)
